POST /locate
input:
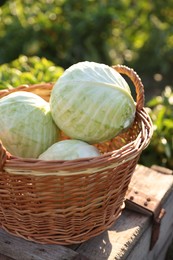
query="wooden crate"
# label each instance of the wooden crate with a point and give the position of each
(129, 238)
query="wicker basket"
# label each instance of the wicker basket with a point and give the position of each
(66, 202)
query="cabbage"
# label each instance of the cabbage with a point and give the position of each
(26, 125)
(69, 150)
(92, 102)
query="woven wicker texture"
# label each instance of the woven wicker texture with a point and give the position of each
(66, 202)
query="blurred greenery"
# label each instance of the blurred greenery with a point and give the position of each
(160, 150)
(136, 33)
(28, 70)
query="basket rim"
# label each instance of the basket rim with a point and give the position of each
(114, 158)
(125, 153)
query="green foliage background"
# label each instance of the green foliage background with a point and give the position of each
(136, 33)
(28, 70)
(160, 150)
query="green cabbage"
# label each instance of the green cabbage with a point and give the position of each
(92, 102)
(69, 150)
(26, 125)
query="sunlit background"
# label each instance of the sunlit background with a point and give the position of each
(136, 33)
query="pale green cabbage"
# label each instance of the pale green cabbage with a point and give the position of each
(69, 150)
(92, 102)
(26, 125)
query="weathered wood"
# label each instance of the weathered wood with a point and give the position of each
(21, 249)
(152, 183)
(162, 169)
(132, 231)
(3, 257)
(117, 240)
(141, 248)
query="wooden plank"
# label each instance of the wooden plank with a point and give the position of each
(21, 249)
(151, 182)
(166, 231)
(3, 257)
(117, 240)
(141, 248)
(121, 239)
(162, 169)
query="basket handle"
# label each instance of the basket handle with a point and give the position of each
(140, 98)
(4, 155)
